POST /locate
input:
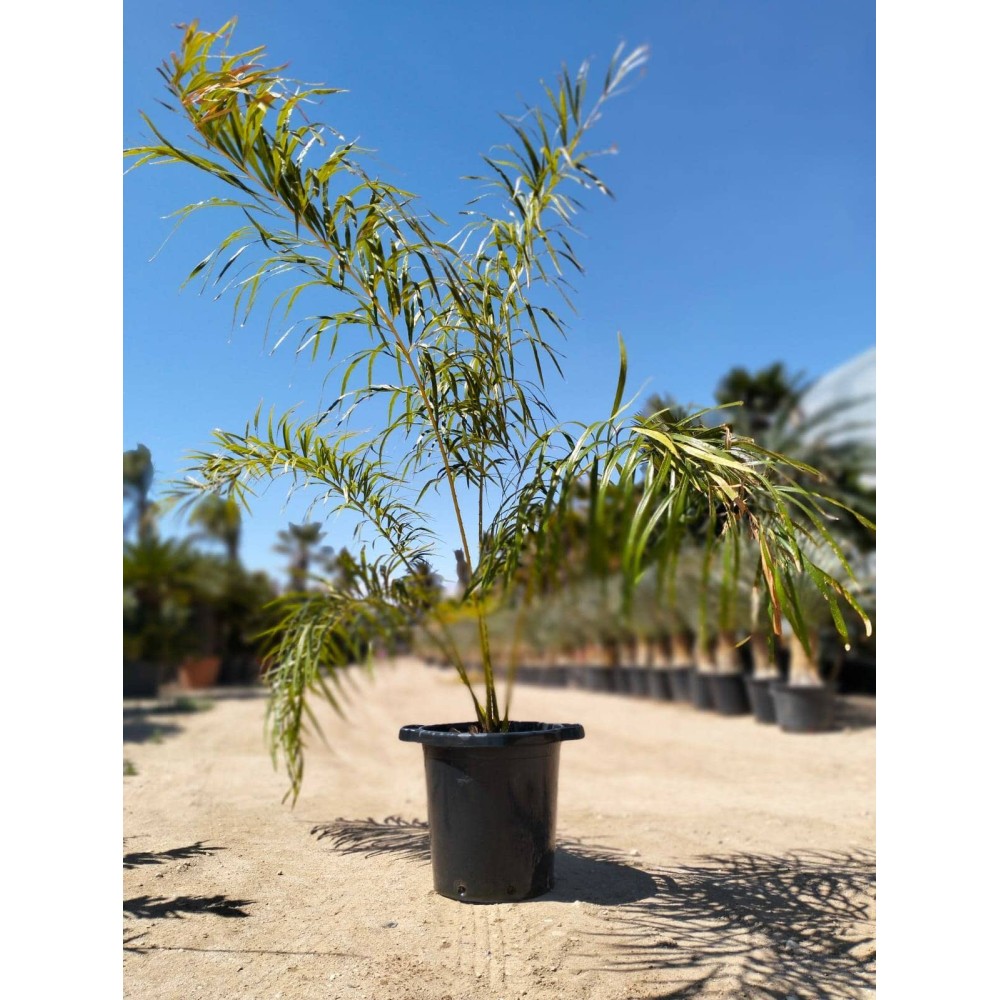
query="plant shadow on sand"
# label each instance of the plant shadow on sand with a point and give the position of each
(146, 723)
(855, 712)
(139, 729)
(156, 907)
(162, 857)
(583, 873)
(765, 927)
(762, 927)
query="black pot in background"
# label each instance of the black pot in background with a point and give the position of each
(637, 679)
(679, 679)
(659, 683)
(760, 698)
(557, 677)
(803, 708)
(701, 690)
(530, 675)
(140, 679)
(600, 679)
(729, 695)
(491, 807)
(619, 680)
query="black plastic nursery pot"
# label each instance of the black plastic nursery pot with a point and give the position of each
(803, 708)
(729, 694)
(557, 677)
(637, 681)
(659, 684)
(680, 683)
(599, 678)
(760, 698)
(619, 680)
(700, 687)
(491, 807)
(140, 679)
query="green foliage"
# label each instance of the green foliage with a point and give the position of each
(441, 348)
(301, 544)
(137, 481)
(185, 704)
(161, 579)
(771, 412)
(219, 520)
(178, 600)
(762, 395)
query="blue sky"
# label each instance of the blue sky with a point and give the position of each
(743, 229)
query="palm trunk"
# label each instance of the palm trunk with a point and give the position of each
(803, 666)
(657, 652)
(681, 654)
(703, 658)
(646, 653)
(764, 667)
(627, 651)
(612, 656)
(727, 657)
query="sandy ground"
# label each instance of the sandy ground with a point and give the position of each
(700, 856)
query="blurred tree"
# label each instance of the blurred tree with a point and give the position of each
(341, 570)
(773, 415)
(159, 579)
(765, 394)
(421, 588)
(137, 481)
(300, 543)
(177, 600)
(232, 610)
(658, 406)
(219, 520)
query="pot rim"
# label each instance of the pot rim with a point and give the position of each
(827, 687)
(456, 734)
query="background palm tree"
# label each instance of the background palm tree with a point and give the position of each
(764, 394)
(301, 544)
(233, 611)
(137, 481)
(774, 416)
(160, 579)
(218, 519)
(805, 665)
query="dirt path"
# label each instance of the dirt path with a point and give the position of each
(700, 856)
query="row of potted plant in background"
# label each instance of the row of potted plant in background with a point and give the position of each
(702, 642)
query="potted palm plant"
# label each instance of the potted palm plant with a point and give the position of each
(805, 702)
(444, 345)
(764, 670)
(728, 690)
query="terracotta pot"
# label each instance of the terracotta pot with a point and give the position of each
(199, 672)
